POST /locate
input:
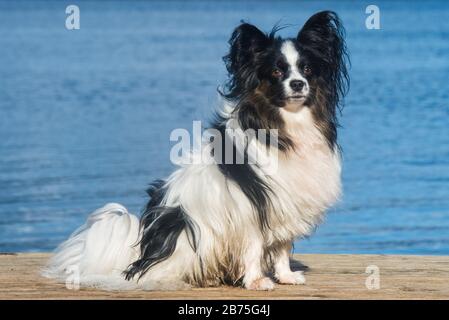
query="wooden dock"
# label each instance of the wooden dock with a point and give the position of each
(328, 277)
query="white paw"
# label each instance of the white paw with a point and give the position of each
(260, 284)
(296, 277)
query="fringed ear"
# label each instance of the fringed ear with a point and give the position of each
(245, 43)
(324, 36)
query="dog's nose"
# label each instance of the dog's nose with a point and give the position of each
(297, 85)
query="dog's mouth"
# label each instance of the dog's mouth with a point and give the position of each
(297, 97)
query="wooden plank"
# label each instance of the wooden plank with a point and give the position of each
(328, 277)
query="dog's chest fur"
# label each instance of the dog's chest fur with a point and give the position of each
(307, 181)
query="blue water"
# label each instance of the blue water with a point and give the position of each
(85, 115)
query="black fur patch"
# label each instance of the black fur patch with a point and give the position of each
(322, 40)
(255, 113)
(161, 227)
(255, 189)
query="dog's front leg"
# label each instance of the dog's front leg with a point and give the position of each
(282, 270)
(254, 278)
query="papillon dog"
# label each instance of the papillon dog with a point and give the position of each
(223, 222)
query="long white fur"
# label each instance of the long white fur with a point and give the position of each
(99, 250)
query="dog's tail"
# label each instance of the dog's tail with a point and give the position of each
(100, 250)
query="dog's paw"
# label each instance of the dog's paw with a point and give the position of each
(296, 277)
(260, 284)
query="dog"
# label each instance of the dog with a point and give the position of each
(222, 222)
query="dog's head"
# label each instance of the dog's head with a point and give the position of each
(307, 70)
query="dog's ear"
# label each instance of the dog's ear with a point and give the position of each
(323, 36)
(245, 44)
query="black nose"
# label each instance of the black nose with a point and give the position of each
(297, 85)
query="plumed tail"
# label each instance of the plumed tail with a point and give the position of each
(100, 249)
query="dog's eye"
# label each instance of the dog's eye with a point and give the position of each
(277, 73)
(307, 70)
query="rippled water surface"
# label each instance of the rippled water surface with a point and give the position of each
(85, 115)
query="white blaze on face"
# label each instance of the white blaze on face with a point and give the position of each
(291, 55)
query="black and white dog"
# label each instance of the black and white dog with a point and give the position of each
(233, 223)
